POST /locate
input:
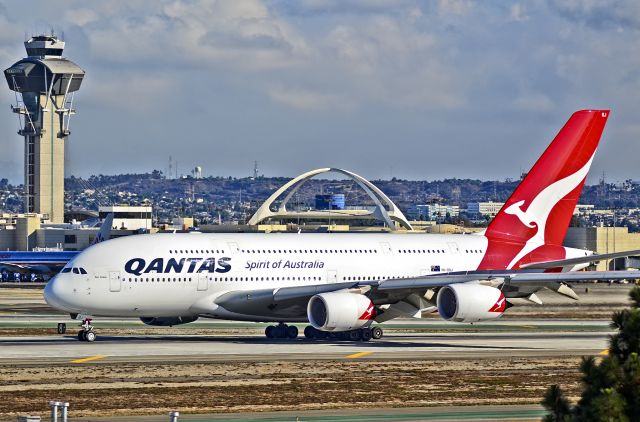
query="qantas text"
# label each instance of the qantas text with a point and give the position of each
(138, 266)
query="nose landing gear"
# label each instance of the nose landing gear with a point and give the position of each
(86, 333)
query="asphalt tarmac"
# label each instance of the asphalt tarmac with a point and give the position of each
(525, 339)
(128, 340)
(406, 414)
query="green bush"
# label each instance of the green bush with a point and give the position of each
(612, 384)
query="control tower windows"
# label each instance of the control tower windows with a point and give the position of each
(40, 52)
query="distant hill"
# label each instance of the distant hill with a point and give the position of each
(209, 197)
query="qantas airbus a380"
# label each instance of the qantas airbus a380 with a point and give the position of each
(343, 283)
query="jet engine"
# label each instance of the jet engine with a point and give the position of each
(470, 302)
(340, 311)
(168, 321)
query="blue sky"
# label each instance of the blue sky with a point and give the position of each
(413, 89)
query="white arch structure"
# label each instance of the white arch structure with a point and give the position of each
(390, 216)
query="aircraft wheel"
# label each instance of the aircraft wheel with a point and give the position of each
(310, 332)
(354, 335)
(365, 334)
(376, 333)
(292, 331)
(270, 331)
(280, 331)
(62, 328)
(90, 336)
(81, 336)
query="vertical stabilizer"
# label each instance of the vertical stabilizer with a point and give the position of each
(538, 213)
(105, 229)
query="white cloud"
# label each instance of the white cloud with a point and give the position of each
(454, 7)
(535, 102)
(139, 94)
(601, 13)
(392, 62)
(305, 99)
(406, 70)
(342, 7)
(81, 17)
(517, 13)
(241, 34)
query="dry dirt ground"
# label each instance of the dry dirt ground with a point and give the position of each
(136, 389)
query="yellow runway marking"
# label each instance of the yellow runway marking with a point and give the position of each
(88, 359)
(358, 355)
(604, 352)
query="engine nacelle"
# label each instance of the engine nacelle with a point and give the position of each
(470, 302)
(168, 321)
(340, 311)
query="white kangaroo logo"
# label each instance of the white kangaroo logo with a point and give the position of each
(541, 206)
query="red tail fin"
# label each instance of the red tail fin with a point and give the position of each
(540, 209)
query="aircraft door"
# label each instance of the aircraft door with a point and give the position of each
(114, 281)
(332, 276)
(203, 282)
(453, 247)
(386, 248)
(233, 248)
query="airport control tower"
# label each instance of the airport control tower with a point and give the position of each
(44, 84)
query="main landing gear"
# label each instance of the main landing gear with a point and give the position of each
(281, 331)
(86, 333)
(284, 331)
(362, 334)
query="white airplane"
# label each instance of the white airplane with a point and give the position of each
(342, 283)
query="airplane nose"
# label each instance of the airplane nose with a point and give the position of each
(55, 293)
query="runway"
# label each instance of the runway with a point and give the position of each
(411, 341)
(27, 337)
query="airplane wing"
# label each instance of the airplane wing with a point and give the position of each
(48, 268)
(508, 277)
(286, 301)
(579, 260)
(47, 262)
(290, 301)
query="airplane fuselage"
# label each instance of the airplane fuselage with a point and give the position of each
(167, 274)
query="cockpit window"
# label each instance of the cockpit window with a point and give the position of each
(66, 270)
(76, 271)
(82, 271)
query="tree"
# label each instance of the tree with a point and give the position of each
(612, 385)
(555, 401)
